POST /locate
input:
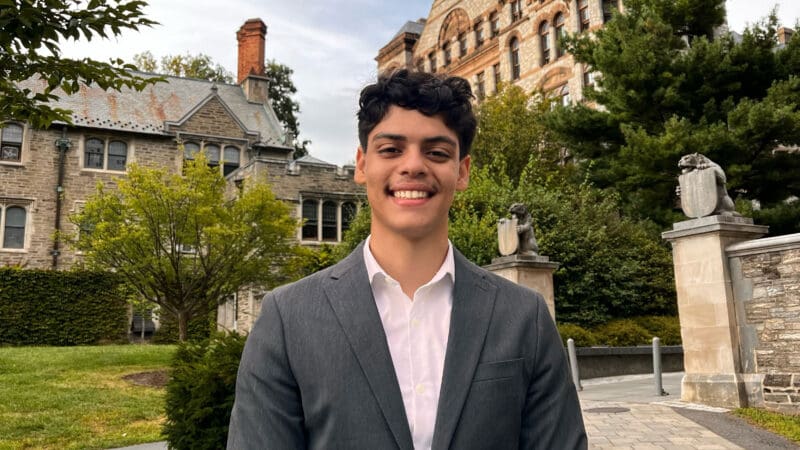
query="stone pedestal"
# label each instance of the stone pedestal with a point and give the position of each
(706, 307)
(532, 271)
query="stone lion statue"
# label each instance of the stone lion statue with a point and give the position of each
(527, 240)
(696, 161)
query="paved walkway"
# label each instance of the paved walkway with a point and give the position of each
(625, 413)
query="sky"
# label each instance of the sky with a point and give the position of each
(330, 45)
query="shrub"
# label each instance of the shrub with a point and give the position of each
(48, 307)
(667, 328)
(610, 267)
(200, 392)
(622, 333)
(581, 336)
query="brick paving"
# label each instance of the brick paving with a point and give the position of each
(646, 426)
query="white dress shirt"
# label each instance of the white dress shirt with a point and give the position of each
(416, 331)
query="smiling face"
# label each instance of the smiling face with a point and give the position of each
(411, 170)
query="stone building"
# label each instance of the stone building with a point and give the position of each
(489, 42)
(47, 174)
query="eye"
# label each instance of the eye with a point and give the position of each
(438, 154)
(388, 151)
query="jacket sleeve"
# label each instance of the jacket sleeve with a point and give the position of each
(267, 411)
(552, 413)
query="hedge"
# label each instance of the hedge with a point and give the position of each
(44, 307)
(200, 392)
(624, 332)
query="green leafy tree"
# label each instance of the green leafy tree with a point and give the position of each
(610, 266)
(180, 242)
(669, 88)
(512, 129)
(199, 66)
(30, 34)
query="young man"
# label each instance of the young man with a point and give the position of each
(405, 344)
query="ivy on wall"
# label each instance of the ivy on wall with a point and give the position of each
(43, 307)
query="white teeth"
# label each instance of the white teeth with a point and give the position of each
(410, 194)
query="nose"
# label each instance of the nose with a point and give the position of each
(413, 163)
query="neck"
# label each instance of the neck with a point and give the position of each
(411, 263)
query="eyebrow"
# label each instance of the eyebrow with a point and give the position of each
(429, 140)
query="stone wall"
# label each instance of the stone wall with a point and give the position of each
(33, 181)
(765, 274)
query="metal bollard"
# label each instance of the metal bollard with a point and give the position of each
(657, 366)
(573, 363)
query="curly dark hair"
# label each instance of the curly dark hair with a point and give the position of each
(449, 97)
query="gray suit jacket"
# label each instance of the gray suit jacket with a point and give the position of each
(316, 370)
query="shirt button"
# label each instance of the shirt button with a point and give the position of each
(415, 323)
(420, 388)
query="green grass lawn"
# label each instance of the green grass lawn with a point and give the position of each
(783, 424)
(75, 397)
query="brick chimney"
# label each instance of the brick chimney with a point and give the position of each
(784, 35)
(251, 37)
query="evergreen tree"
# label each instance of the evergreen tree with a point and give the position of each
(668, 87)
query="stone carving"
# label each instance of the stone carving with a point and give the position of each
(702, 187)
(515, 234)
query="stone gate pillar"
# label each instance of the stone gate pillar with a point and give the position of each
(706, 307)
(532, 271)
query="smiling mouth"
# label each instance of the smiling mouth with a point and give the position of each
(410, 194)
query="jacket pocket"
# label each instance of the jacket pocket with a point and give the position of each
(498, 370)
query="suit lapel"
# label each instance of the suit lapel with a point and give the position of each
(473, 302)
(350, 295)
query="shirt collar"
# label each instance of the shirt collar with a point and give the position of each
(375, 270)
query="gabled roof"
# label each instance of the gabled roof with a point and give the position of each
(147, 111)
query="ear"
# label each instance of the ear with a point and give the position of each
(359, 176)
(463, 173)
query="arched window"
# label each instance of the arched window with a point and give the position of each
(93, 153)
(348, 214)
(560, 34)
(446, 52)
(462, 44)
(117, 155)
(11, 142)
(329, 222)
(231, 160)
(14, 228)
(212, 154)
(544, 39)
(514, 53)
(432, 61)
(103, 154)
(310, 220)
(189, 150)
